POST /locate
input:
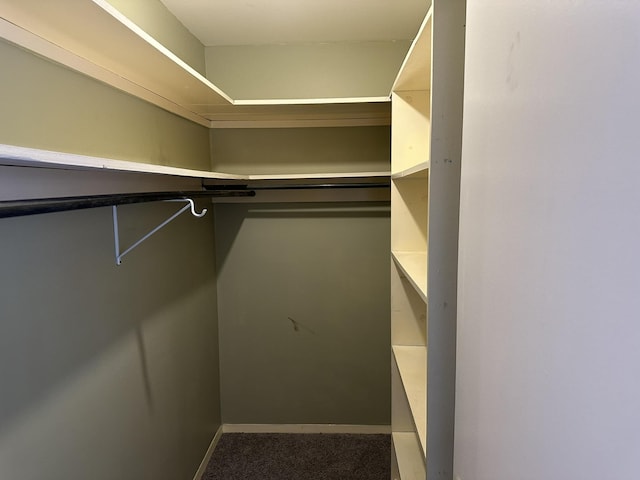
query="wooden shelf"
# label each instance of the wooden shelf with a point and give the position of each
(410, 129)
(409, 220)
(412, 365)
(94, 38)
(408, 311)
(414, 267)
(420, 170)
(411, 107)
(306, 113)
(22, 156)
(408, 453)
(415, 73)
(312, 101)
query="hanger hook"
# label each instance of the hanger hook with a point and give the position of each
(193, 209)
(191, 204)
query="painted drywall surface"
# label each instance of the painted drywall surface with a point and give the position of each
(317, 70)
(301, 150)
(107, 372)
(548, 330)
(304, 313)
(50, 107)
(21, 183)
(155, 19)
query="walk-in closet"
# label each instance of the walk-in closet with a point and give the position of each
(197, 239)
(287, 239)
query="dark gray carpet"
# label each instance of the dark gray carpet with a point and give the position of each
(278, 456)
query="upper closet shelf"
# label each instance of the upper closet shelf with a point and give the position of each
(23, 156)
(92, 37)
(31, 157)
(415, 73)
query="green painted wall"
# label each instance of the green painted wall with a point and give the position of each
(301, 150)
(304, 311)
(47, 106)
(155, 19)
(320, 70)
(107, 372)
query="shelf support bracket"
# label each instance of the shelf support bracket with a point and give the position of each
(189, 206)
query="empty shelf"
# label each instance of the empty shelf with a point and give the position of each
(412, 365)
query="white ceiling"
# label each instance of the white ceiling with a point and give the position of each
(259, 22)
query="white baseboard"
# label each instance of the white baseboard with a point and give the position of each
(304, 428)
(207, 455)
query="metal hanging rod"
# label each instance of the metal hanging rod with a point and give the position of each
(299, 186)
(18, 208)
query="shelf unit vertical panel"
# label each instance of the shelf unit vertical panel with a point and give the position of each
(426, 146)
(448, 32)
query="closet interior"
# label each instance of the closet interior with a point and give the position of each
(275, 307)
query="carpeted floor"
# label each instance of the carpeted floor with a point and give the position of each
(278, 456)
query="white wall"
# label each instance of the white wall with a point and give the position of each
(549, 286)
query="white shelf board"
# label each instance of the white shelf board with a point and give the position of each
(411, 463)
(415, 72)
(24, 156)
(419, 170)
(14, 155)
(95, 39)
(412, 365)
(312, 101)
(414, 267)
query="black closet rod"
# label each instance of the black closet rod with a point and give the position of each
(304, 186)
(18, 208)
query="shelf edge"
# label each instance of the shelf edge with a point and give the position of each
(24, 156)
(413, 170)
(418, 398)
(403, 444)
(412, 48)
(398, 259)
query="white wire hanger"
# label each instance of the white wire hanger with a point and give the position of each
(189, 206)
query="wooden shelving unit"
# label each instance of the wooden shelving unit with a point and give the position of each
(94, 38)
(425, 154)
(410, 159)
